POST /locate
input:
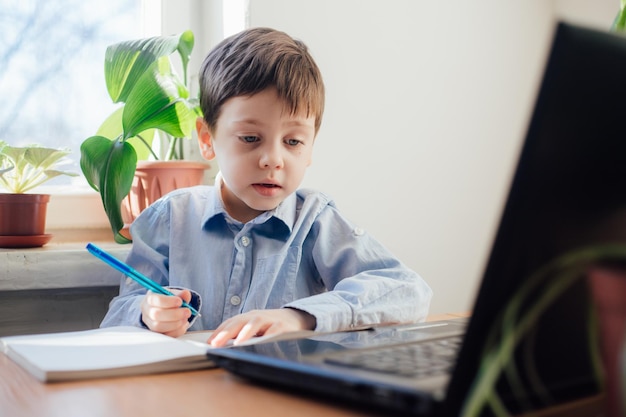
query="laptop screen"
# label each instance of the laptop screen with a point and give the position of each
(568, 193)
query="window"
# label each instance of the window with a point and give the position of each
(52, 59)
(53, 88)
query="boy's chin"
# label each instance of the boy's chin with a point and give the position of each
(263, 207)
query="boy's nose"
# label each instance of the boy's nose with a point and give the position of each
(271, 158)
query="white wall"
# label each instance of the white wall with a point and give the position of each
(427, 103)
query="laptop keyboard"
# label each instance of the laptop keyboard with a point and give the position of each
(429, 358)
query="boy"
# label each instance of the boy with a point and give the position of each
(253, 254)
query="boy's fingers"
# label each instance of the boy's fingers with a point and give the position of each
(226, 331)
(167, 321)
(168, 326)
(219, 339)
(248, 331)
(184, 294)
(179, 331)
(162, 313)
(221, 336)
(165, 301)
(167, 314)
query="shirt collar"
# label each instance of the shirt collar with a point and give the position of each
(285, 212)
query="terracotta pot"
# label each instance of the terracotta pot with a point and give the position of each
(608, 287)
(23, 220)
(154, 179)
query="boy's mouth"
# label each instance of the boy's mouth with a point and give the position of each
(267, 189)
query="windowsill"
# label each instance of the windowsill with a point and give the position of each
(76, 207)
(74, 217)
(62, 263)
(64, 238)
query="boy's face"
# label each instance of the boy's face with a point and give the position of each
(261, 149)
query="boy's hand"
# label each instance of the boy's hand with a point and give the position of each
(261, 323)
(162, 313)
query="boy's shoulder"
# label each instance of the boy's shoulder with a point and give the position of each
(310, 202)
(196, 191)
(314, 196)
(195, 195)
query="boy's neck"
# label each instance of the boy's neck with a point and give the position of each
(243, 215)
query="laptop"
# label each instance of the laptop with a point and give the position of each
(568, 192)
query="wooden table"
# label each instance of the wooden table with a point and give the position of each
(211, 392)
(208, 392)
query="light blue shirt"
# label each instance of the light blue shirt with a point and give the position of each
(304, 254)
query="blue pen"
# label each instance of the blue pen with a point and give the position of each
(134, 274)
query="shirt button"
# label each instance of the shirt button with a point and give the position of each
(245, 240)
(358, 231)
(235, 300)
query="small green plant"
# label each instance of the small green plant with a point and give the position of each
(619, 24)
(515, 325)
(22, 169)
(139, 74)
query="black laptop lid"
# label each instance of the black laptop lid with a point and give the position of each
(569, 192)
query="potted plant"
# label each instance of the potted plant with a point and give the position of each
(23, 214)
(139, 74)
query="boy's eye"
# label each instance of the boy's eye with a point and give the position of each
(293, 142)
(249, 139)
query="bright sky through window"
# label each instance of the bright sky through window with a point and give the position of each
(51, 68)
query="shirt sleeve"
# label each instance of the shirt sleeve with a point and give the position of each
(149, 255)
(125, 309)
(367, 284)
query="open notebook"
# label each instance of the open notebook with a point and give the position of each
(109, 352)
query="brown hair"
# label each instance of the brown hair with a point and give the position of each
(255, 59)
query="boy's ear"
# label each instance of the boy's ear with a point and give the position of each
(205, 140)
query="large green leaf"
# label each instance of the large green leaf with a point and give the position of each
(109, 167)
(126, 62)
(159, 101)
(112, 128)
(94, 154)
